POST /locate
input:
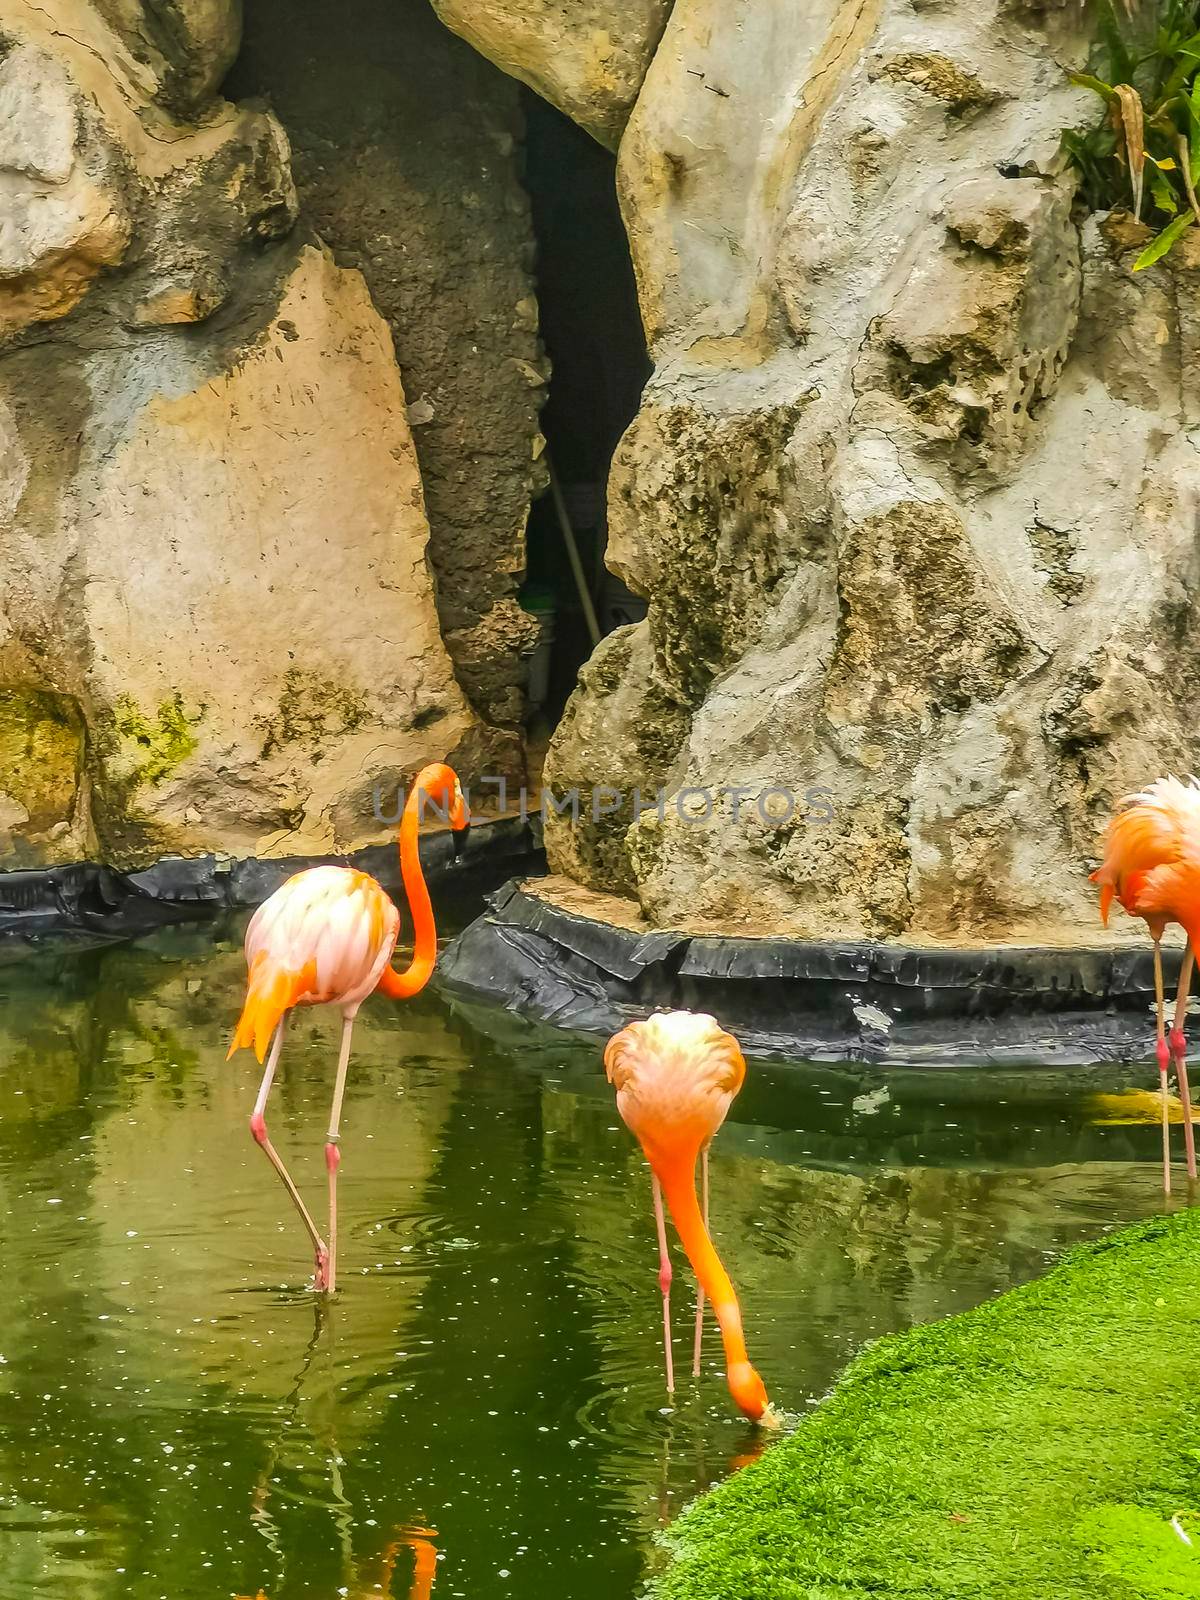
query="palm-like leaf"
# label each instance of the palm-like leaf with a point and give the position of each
(1147, 72)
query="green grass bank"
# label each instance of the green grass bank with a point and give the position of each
(1032, 1449)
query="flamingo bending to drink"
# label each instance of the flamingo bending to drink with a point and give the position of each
(1152, 866)
(326, 937)
(676, 1075)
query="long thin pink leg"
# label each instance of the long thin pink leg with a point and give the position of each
(258, 1127)
(664, 1280)
(1164, 1058)
(700, 1286)
(333, 1155)
(1177, 1050)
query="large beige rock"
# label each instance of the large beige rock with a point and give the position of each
(587, 57)
(730, 104)
(912, 495)
(63, 216)
(254, 590)
(249, 626)
(217, 622)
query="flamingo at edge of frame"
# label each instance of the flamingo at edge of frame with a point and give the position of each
(326, 937)
(1152, 866)
(676, 1075)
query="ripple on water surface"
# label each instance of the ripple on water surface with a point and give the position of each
(178, 1417)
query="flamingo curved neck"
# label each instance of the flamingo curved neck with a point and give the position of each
(676, 1171)
(402, 985)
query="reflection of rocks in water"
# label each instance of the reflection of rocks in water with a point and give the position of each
(44, 1552)
(70, 1022)
(211, 1216)
(44, 1042)
(920, 1241)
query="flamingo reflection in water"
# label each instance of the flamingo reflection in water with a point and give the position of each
(364, 1576)
(420, 1540)
(372, 1579)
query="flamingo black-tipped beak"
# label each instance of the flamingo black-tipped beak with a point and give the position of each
(458, 840)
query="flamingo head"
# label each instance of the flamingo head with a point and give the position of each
(748, 1390)
(438, 785)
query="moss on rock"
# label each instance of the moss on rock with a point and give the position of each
(150, 749)
(1037, 1446)
(41, 753)
(311, 709)
(141, 750)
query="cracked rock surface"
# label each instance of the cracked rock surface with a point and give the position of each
(912, 493)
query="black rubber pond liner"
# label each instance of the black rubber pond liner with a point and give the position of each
(89, 901)
(800, 999)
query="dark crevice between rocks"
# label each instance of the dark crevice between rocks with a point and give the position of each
(592, 330)
(419, 163)
(406, 146)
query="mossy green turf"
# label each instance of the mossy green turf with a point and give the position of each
(1032, 1449)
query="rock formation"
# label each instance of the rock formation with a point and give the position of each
(587, 58)
(911, 493)
(217, 619)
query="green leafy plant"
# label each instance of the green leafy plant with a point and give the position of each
(1146, 69)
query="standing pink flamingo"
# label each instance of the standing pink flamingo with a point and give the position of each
(1152, 866)
(326, 937)
(676, 1075)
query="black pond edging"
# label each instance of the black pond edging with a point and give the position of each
(88, 899)
(795, 998)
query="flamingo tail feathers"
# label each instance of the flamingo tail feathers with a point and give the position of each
(1107, 891)
(272, 990)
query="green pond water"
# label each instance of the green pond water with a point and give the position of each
(179, 1418)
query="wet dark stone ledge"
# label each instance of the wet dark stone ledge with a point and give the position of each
(92, 902)
(793, 998)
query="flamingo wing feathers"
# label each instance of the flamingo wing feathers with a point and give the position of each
(324, 935)
(675, 1075)
(1154, 833)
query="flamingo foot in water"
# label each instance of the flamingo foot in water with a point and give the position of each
(1179, 1051)
(1164, 1062)
(321, 1275)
